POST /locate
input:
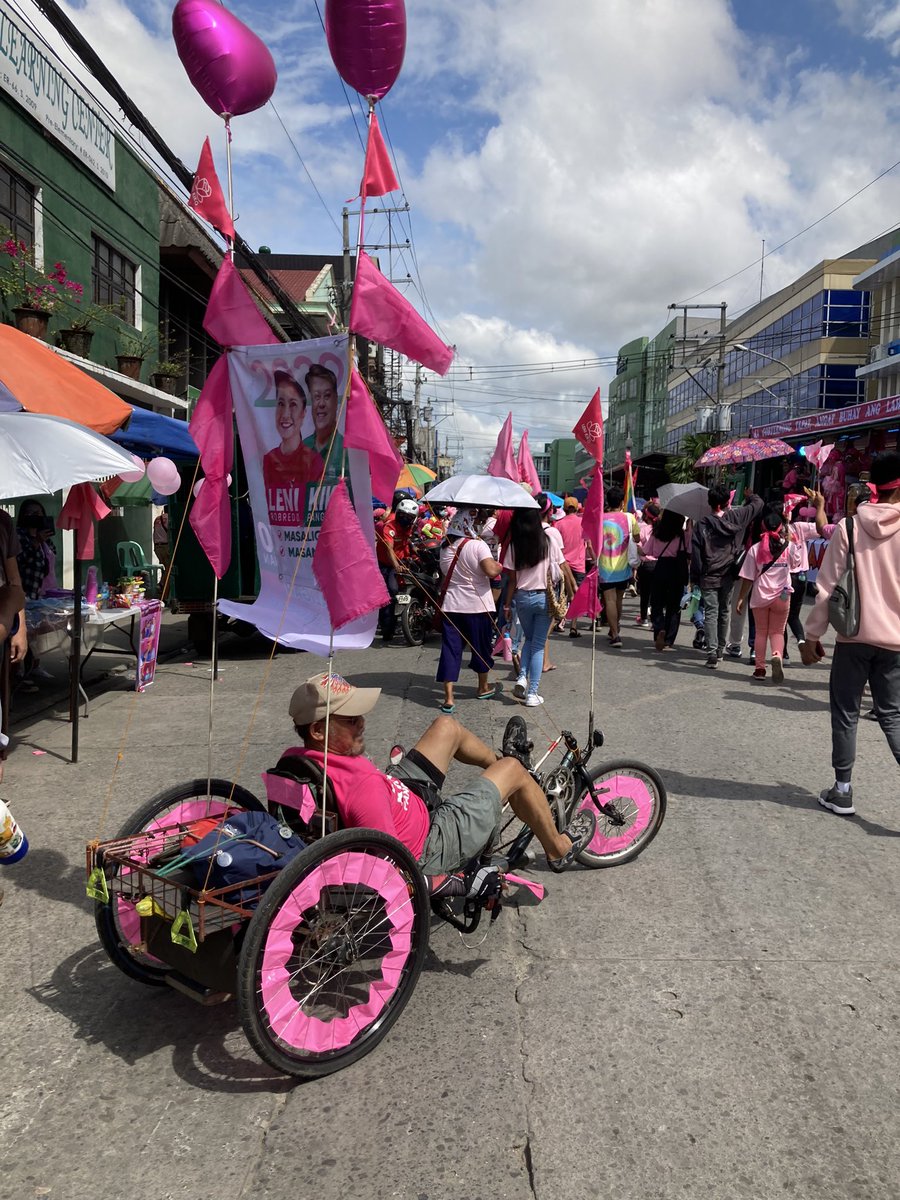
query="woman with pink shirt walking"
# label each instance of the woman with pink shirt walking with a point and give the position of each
(766, 578)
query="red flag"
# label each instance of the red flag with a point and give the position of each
(589, 428)
(527, 470)
(365, 430)
(207, 199)
(378, 174)
(381, 314)
(503, 463)
(344, 563)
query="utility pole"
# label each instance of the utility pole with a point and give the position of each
(696, 344)
(414, 450)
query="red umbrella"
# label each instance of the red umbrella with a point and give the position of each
(744, 450)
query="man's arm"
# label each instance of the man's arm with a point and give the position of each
(12, 598)
(833, 565)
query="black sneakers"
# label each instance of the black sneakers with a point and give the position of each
(516, 742)
(580, 831)
(837, 802)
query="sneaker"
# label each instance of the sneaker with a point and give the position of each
(580, 831)
(616, 641)
(777, 669)
(837, 802)
(516, 742)
(759, 673)
(520, 686)
(534, 700)
(700, 642)
(733, 650)
(712, 661)
(640, 621)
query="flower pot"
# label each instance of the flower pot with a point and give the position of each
(33, 321)
(130, 365)
(165, 383)
(77, 341)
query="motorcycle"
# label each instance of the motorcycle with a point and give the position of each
(418, 587)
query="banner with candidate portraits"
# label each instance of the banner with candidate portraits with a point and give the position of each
(290, 421)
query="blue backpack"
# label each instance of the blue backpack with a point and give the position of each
(244, 846)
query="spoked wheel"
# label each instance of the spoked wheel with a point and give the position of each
(634, 800)
(415, 621)
(333, 953)
(118, 924)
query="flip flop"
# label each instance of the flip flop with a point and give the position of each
(448, 708)
(495, 691)
(550, 668)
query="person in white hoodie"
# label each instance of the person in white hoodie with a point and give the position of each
(873, 655)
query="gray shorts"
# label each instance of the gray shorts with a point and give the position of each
(462, 825)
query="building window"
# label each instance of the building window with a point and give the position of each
(17, 205)
(113, 279)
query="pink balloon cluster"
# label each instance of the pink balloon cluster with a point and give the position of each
(137, 474)
(163, 475)
(367, 40)
(226, 62)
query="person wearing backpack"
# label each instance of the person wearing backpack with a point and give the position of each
(717, 543)
(668, 547)
(766, 578)
(872, 653)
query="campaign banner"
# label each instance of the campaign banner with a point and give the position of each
(291, 422)
(151, 618)
(831, 419)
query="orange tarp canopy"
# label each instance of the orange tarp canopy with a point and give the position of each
(43, 382)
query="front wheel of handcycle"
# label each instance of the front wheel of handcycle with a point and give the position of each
(118, 924)
(333, 953)
(634, 805)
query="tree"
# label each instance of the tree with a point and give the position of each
(680, 466)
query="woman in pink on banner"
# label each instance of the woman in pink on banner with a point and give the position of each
(290, 466)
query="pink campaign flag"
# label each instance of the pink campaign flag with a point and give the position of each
(503, 463)
(212, 429)
(232, 317)
(818, 454)
(380, 313)
(365, 430)
(586, 601)
(592, 517)
(527, 470)
(344, 563)
(378, 174)
(589, 428)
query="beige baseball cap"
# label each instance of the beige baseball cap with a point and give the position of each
(310, 699)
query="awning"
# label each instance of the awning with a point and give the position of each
(42, 382)
(150, 435)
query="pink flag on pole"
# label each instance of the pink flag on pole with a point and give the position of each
(525, 463)
(380, 313)
(503, 463)
(344, 563)
(818, 454)
(592, 517)
(207, 198)
(232, 317)
(589, 428)
(365, 430)
(212, 429)
(378, 174)
(586, 601)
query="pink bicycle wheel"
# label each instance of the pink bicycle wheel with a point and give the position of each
(632, 804)
(333, 953)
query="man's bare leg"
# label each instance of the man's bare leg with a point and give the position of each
(529, 804)
(445, 740)
(613, 610)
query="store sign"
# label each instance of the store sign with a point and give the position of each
(835, 418)
(53, 98)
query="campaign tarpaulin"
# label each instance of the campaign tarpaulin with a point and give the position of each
(287, 402)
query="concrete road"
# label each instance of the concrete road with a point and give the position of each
(718, 1019)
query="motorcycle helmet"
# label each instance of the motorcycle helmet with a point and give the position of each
(407, 511)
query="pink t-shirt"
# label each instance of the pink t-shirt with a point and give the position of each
(657, 548)
(569, 529)
(534, 579)
(369, 799)
(798, 553)
(470, 589)
(770, 586)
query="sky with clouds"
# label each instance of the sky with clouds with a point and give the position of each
(571, 169)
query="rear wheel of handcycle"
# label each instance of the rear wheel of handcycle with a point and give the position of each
(634, 799)
(333, 953)
(415, 622)
(118, 924)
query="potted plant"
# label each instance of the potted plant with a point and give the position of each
(31, 294)
(133, 349)
(166, 374)
(77, 337)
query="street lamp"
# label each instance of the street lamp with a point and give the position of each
(770, 358)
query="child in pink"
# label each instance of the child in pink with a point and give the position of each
(766, 578)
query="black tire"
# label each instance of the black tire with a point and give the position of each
(646, 817)
(415, 622)
(106, 916)
(351, 938)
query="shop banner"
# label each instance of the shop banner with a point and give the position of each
(832, 418)
(287, 401)
(151, 611)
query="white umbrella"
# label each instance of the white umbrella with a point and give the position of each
(688, 499)
(40, 454)
(487, 491)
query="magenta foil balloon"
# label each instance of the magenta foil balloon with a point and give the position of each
(367, 40)
(226, 62)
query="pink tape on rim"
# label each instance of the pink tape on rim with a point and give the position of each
(634, 789)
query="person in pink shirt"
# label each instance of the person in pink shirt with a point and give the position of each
(872, 654)
(444, 833)
(766, 579)
(649, 517)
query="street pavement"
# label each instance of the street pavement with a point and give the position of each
(718, 1019)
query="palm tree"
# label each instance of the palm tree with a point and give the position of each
(681, 466)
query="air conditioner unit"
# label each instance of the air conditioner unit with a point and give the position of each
(877, 352)
(893, 347)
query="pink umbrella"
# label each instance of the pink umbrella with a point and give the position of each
(744, 450)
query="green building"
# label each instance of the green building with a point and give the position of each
(627, 396)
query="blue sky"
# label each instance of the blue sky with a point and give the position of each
(571, 169)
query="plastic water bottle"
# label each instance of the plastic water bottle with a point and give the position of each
(13, 842)
(90, 591)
